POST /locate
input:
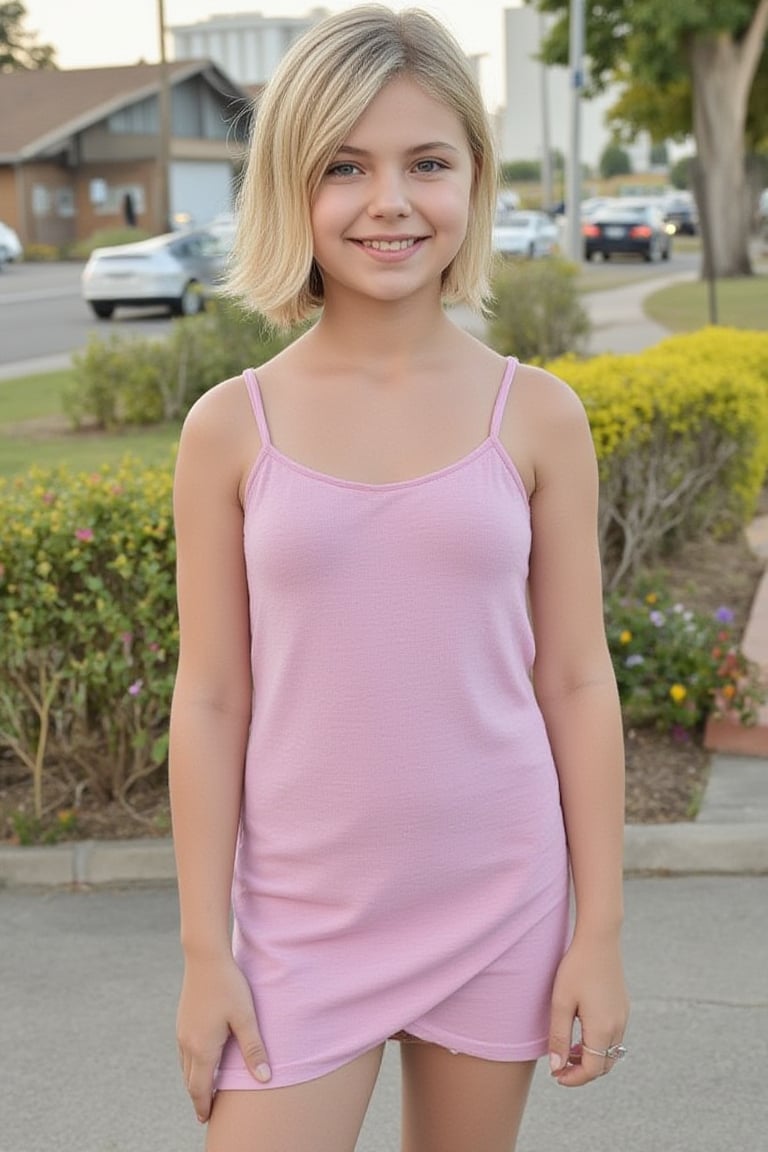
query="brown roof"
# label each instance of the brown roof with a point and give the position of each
(40, 110)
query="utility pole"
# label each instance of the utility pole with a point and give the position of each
(164, 130)
(547, 194)
(576, 73)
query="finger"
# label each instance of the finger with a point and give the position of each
(248, 1037)
(199, 1082)
(560, 1037)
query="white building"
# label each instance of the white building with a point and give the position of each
(245, 45)
(523, 132)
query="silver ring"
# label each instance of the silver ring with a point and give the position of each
(612, 1052)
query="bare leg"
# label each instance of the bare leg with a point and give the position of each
(322, 1115)
(460, 1103)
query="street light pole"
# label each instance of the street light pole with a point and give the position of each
(547, 193)
(576, 73)
(164, 129)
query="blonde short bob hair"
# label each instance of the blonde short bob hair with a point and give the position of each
(322, 87)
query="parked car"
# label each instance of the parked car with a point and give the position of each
(631, 229)
(10, 245)
(178, 271)
(529, 234)
(681, 215)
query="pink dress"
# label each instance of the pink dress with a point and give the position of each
(401, 863)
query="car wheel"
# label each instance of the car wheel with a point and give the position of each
(190, 302)
(102, 308)
(667, 252)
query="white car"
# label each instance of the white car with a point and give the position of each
(529, 234)
(10, 245)
(177, 271)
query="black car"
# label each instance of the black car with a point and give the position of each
(682, 216)
(627, 230)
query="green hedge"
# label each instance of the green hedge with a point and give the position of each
(681, 434)
(120, 381)
(88, 634)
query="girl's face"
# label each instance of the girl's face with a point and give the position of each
(391, 211)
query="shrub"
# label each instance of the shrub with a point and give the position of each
(105, 238)
(41, 253)
(120, 381)
(675, 667)
(88, 633)
(538, 313)
(681, 435)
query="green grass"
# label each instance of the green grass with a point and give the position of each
(32, 397)
(86, 451)
(30, 413)
(741, 303)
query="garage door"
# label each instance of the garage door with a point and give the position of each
(200, 189)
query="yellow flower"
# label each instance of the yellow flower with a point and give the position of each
(651, 598)
(678, 692)
(625, 636)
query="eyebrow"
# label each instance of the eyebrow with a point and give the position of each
(428, 147)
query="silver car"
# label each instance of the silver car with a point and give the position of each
(10, 245)
(175, 271)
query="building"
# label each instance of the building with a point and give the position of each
(246, 45)
(75, 143)
(523, 128)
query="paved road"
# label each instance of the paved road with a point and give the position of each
(43, 318)
(88, 982)
(42, 314)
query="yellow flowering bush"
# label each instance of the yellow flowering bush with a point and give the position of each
(681, 435)
(88, 633)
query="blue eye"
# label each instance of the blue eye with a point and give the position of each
(430, 165)
(345, 168)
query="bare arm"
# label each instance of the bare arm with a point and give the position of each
(576, 690)
(209, 726)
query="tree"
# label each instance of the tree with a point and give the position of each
(614, 162)
(18, 50)
(689, 66)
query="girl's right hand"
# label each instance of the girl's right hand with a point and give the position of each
(215, 1000)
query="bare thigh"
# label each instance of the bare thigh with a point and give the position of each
(461, 1103)
(322, 1115)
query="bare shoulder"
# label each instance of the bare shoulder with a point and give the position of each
(544, 424)
(219, 435)
(545, 395)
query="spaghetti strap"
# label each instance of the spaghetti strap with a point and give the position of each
(254, 395)
(501, 399)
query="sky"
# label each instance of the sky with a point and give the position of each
(95, 33)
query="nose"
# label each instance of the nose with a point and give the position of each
(389, 196)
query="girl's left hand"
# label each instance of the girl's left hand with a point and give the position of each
(589, 986)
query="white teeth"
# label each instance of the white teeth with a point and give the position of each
(389, 245)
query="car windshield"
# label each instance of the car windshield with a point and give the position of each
(630, 212)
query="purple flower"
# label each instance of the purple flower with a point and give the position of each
(724, 615)
(657, 618)
(84, 534)
(635, 660)
(136, 687)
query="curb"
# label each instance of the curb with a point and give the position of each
(664, 849)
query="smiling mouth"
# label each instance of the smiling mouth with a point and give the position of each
(390, 245)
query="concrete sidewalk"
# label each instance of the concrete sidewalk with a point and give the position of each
(89, 982)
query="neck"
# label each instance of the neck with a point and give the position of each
(388, 334)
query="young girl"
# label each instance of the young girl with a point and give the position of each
(370, 758)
